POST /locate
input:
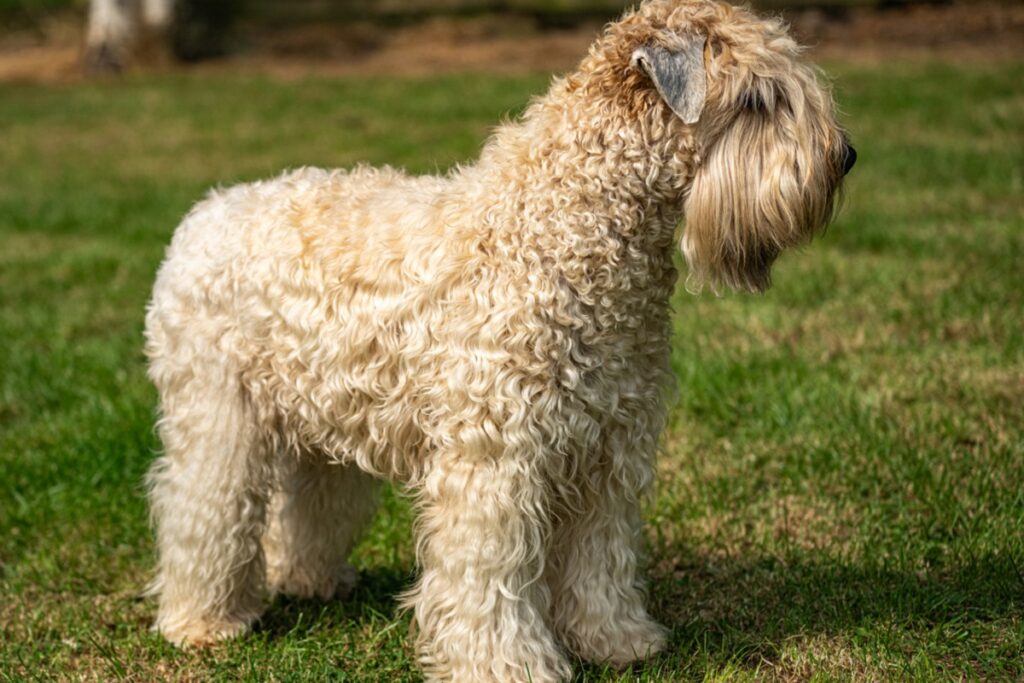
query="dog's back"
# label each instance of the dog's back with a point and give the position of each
(313, 279)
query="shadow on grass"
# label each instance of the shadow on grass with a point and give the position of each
(744, 609)
(375, 597)
(739, 611)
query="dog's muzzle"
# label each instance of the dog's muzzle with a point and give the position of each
(851, 159)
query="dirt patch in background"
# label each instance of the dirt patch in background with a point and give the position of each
(959, 30)
(483, 44)
(51, 51)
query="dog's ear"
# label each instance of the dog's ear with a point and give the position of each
(677, 73)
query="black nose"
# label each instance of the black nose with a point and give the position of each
(851, 159)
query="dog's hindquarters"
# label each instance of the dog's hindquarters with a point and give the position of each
(208, 490)
(220, 343)
(210, 487)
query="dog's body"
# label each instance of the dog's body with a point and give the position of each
(497, 341)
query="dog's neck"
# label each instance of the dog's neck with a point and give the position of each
(579, 190)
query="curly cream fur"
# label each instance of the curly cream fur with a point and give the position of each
(495, 340)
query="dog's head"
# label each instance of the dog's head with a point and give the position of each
(768, 154)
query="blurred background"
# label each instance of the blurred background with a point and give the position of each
(61, 39)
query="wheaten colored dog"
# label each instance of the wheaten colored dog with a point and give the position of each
(496, 341)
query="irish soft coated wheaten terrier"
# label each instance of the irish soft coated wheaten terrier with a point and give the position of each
(496, 341)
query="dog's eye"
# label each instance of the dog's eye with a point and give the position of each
(752, 100)
(764, 98)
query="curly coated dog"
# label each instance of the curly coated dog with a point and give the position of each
(496, 341)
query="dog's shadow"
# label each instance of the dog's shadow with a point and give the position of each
(735, 611)
(742, 611)
(375, 598)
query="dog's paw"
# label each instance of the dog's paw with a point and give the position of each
(202, 633)
(622, 643)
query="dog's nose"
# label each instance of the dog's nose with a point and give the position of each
(851, 159)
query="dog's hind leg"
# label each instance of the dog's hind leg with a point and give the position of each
(208, 493)
(316, 515)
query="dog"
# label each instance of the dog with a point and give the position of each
(495, 341)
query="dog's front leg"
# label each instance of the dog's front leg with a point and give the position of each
(481, 605)
(597, 592)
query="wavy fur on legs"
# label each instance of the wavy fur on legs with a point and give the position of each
(316, 515)
(480, 604)
(495, 340)
(208, 497)
(593, 572)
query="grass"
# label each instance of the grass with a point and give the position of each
(842, 492)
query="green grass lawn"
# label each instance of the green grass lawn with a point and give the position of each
(842, 491)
